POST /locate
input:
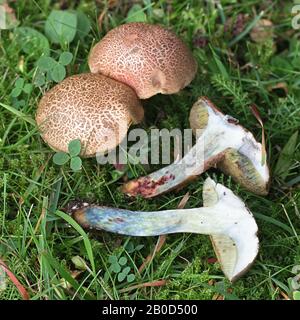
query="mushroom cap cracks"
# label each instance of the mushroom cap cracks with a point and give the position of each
(90, 107)
(147, 57)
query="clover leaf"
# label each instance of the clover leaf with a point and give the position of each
(74, 148)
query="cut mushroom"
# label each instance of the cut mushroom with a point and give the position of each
(224, 216)
(220, 141)
(147, 57)
(90, 107)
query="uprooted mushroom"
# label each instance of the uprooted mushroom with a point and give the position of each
(220, 141)
(224, 217)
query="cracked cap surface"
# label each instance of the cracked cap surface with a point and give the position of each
(147, 57)
(90, 107)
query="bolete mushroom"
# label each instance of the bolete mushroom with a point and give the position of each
(147, 57)
(224, 216)
(221, 141)
(93, 108)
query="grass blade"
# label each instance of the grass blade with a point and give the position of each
(286, 157)
(250, 26)
(66, 275)
(19, 114)
(86, 241)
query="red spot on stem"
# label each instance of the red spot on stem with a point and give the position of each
(145, 186)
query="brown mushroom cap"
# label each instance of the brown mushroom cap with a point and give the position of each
(146, 57)
(90, 107)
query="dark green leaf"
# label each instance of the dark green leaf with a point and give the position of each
(286, 157)
(83, 25)
(19, 83)
(18, 103)
(126, 270)
(32, 42)
(65, 58)
(61, 158)
(16, 92)
(136, 14)
(48, 76)
(58, 73)
(39, 79)
(116, 174)
(121, 277)
(46, 63)
(76, 164)
(130, 175)
(79, 263)
(61, 26)
(130, 247)
(74, 147)
(21, 103)
(130, 277)
(296, 295)
(139, 247)
(116, 268)
(113, 259)
(122, 261)
(27, 88)
(220, 66)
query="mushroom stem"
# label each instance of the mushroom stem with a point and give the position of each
(224, 216)
(222, 141)
(154, 223)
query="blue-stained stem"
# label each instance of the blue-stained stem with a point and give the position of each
(224, 216)
(138, 223)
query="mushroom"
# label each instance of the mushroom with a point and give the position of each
(224, 216)
(222, 141)
(147, 57)
(90, 107)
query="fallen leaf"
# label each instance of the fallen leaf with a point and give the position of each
(212, 260)
(256, 114)
(183, 201)
(8, 18)
(23, 292)
(262, 31)
(240, 23)
(279, 85)
(159, 244)
(156, 283)
(200, 41)
(101, 18)
(285, 296)
(211, 282)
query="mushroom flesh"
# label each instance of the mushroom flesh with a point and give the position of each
(220, 140)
